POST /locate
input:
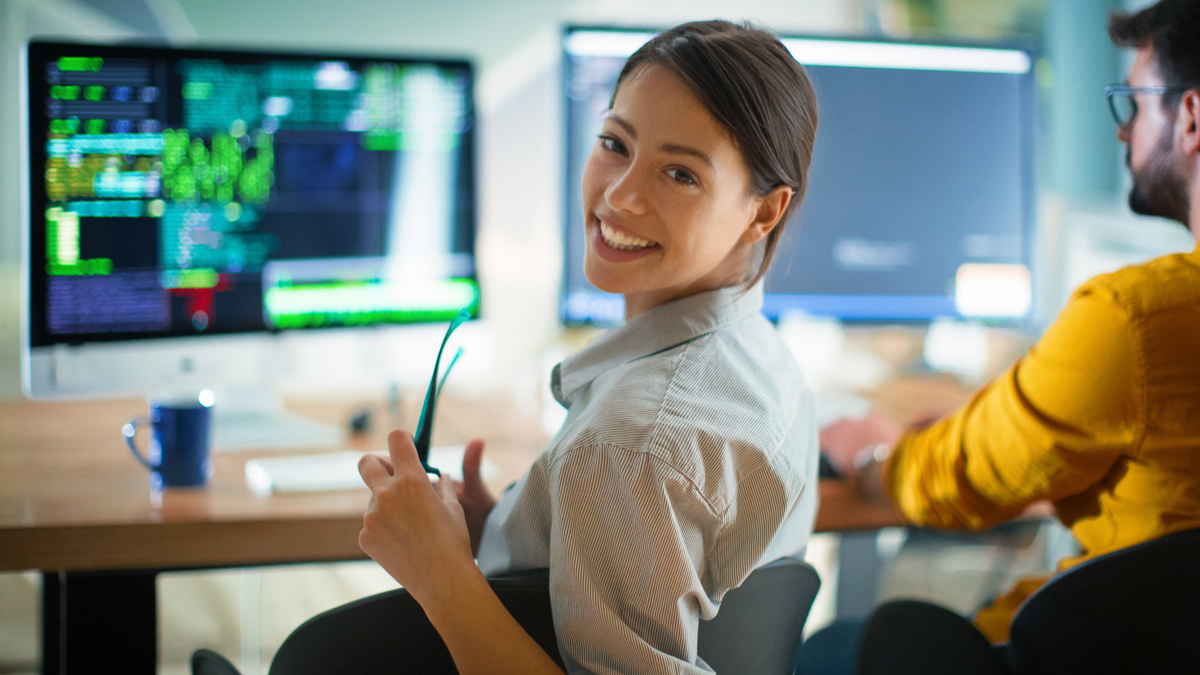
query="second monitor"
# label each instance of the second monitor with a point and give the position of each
(920, 199)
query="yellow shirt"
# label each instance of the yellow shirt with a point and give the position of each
(1101, 417)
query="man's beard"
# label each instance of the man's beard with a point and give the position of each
(1159, 187)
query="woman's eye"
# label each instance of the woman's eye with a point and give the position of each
(612, 144)
(681, 176)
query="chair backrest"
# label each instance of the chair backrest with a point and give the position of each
(758, 629)
(1136, 610)
(208, 662)
(756, 632)
(389, 632)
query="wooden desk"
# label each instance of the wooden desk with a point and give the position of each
(71, 497)
(75, 505)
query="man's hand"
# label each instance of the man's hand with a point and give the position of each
(413, 530)
(842, 440)
(473, 495)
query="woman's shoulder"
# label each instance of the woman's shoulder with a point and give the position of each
(719, 406)
(721, 377)
(745, 370)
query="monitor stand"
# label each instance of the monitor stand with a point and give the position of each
(238, 369)
(246, 419)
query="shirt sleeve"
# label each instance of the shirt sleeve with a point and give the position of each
(627, 551)
(1050, 427)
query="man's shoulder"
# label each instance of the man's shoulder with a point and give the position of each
(1164, 283)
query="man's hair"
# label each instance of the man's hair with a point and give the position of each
(751, 84)
(1172, 28)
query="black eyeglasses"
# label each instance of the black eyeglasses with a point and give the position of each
(1123, 105)
(424, 432)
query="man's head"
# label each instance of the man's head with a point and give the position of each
(1163, 135)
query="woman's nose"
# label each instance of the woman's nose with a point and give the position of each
(629, 191)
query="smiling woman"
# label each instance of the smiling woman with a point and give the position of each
(697, 166)
(689, 457)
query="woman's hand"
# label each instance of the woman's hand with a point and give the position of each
(413, 530)
(419, 534)
(473, 495)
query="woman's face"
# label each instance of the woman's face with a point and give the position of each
(668, 205)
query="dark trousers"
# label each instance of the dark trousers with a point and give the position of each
(904, 637)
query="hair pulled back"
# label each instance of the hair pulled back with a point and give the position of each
(753, 87)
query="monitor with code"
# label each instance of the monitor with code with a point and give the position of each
(178, 192)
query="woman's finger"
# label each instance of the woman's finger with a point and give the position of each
(472, 458)
(445, 490)
(403, 453)
(387, 464)
(373, 471)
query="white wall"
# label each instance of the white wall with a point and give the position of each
(515, 45)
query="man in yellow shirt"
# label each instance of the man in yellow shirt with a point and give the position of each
(1102, 417)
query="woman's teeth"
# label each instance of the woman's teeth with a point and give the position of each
(620, 240)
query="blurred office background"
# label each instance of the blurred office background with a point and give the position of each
(1083, 224)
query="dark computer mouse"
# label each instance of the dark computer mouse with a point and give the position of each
(826, 469)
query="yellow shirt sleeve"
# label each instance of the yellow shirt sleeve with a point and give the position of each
(1050, 427)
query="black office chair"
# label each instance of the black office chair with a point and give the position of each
(756, 632)
(1136, 610)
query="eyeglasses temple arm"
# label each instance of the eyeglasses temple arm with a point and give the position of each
(425, 423)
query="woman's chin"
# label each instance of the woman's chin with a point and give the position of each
(601, 274)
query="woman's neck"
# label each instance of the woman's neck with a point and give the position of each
(731, 272)
(640, 303)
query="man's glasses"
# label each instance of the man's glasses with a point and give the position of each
(424, 433)
(1123, 105)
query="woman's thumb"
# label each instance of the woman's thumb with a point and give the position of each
(472, 459)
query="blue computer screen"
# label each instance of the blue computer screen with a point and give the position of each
(919, 202)
(190, 192)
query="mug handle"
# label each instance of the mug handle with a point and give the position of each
(129, 431)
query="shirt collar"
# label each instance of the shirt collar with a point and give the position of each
(651, 332)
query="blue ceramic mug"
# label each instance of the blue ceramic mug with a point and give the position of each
(179, 440)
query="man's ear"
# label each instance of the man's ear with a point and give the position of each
(1188, 119)
(771, 208)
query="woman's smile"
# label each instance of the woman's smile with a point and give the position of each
(617, 244)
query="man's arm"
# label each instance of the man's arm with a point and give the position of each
(1050, 427)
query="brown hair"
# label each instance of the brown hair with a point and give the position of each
(750, 83)
(1172, 28)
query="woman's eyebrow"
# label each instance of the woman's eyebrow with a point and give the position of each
(624, 124)
(673, 148)
(676, 149)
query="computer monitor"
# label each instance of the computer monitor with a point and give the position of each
(920, 200)
(184, 204)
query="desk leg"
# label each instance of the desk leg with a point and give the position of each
(858, 575)
(99, 621)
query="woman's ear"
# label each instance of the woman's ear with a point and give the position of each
(771, 208)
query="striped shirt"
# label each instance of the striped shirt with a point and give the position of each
(688, 458)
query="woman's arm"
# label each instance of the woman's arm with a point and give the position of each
(419, 535)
